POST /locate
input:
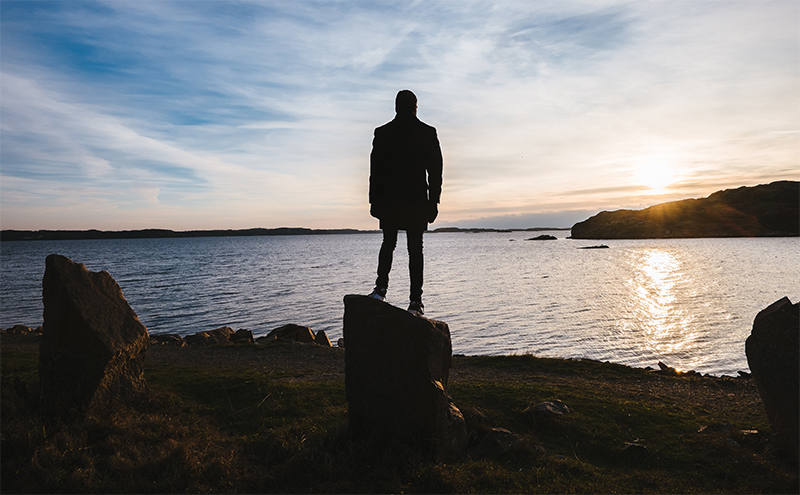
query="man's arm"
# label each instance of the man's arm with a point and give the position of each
(375, 182)
(434, 169)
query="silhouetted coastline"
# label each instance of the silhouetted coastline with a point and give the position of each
(61, 235)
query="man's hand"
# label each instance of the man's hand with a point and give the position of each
(374, 211)
(433, 212)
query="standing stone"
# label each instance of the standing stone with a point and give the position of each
(774, 359)
(93, 345)
(396, 370)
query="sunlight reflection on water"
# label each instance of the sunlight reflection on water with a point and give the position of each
(666, 326)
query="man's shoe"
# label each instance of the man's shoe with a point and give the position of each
(416, 308)
(378, 293)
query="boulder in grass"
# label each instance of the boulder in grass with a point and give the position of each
(93, 345)
(396, 372)
(496, 443)
(773, 354)
(550, 409)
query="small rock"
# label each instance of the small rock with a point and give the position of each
(322, 339)
(497, 442)
(242, 336)
(220, 335)
(340, 343)
(730, 442)
(266, 339)
(19, 330)
(293, 332)
(543, 237)
(550, 408)
(666, 370)
(167, 339)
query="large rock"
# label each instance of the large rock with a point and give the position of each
(773, 355)
(396, 371)
(93, 345)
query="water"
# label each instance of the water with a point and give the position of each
(687, 302)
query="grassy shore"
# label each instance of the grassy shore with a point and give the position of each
(273, 419)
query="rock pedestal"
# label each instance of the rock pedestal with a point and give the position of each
(774, 359)
(93, 345)
(396, 370)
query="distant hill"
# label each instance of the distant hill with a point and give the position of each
(766, 210)
(51, 235)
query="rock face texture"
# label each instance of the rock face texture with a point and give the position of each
(93, 345)
(774, 359)
(396, 371)
(764, 210)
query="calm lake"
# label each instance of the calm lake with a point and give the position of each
(687, 302)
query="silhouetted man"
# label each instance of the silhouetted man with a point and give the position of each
(405, 184)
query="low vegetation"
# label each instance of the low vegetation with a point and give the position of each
(273, 428)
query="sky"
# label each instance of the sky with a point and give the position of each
(186, 115)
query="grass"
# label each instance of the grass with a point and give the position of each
(245, 430)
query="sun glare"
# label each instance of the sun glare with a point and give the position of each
(657, 175)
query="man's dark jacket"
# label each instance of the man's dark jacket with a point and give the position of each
(405, 181)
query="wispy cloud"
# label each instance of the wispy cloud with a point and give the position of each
(241, 114)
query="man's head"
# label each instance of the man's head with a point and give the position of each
(405, 102)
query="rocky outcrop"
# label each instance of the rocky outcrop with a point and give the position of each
(764, 210)
(93, 345)
(396, 372)
(774, 359)
(543, 237)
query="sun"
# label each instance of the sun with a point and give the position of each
(656, 175)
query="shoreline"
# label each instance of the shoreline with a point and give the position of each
(166, 344)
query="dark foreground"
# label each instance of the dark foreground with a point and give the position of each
(273, 418)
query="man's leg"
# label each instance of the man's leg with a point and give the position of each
(385, 257)
(415, 264)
